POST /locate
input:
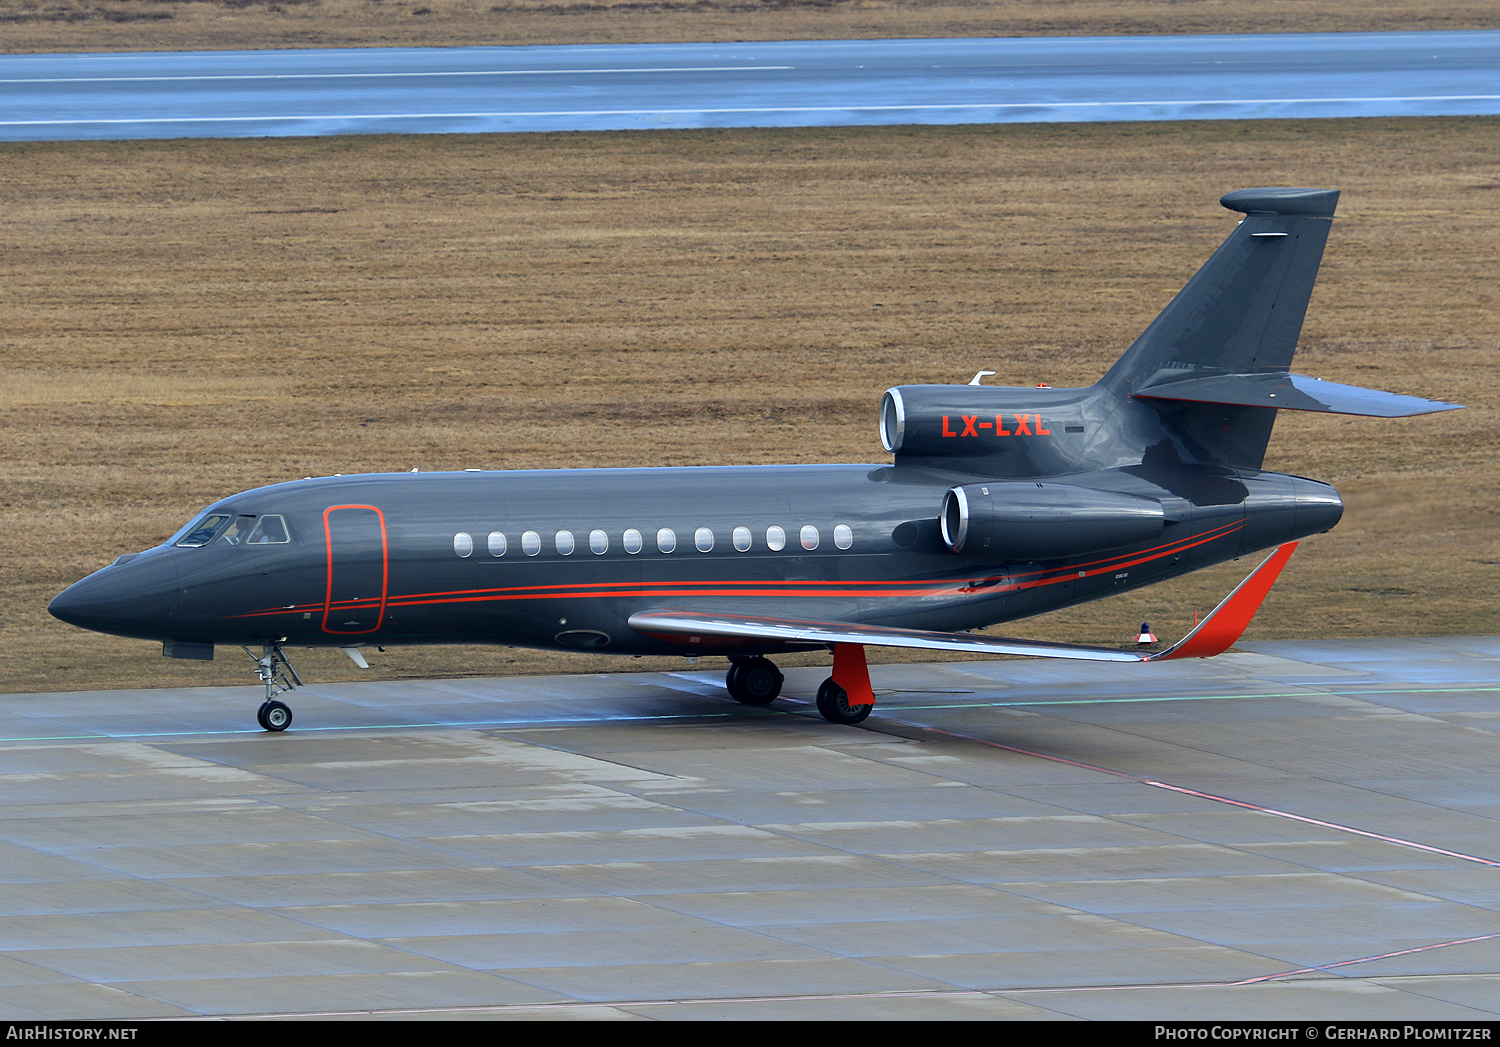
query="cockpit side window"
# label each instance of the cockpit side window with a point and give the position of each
(202, 532)
(235, 533)
(270, 531)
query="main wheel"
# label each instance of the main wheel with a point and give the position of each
(274, 716)
(833, 703)
(754, 681)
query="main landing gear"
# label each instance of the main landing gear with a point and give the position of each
(279, 677)
(754, 681)
(833, 703)
(846, 696)
(757, 681)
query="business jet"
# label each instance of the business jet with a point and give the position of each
(997, 503)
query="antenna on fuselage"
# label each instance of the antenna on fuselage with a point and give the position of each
(981, 374)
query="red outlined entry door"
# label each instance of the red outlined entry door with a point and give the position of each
(358, 569)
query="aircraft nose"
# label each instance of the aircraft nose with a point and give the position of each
(78, 604)
(136, 598)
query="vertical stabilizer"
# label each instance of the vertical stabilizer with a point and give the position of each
(1242, 312)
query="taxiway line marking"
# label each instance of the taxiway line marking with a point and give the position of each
(883, 994)
(1242, 804)
(392, 75)
(552, 721)
(1368, 959)
(1313, 692)
(1321, 823)
(748, 110)
(887, 994)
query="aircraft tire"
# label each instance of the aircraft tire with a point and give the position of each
(833, 703)
(754, 681)
(274, 716)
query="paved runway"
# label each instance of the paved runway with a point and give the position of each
(1301, 830)
(771, 84)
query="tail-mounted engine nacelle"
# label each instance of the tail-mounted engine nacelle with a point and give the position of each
(973, 421)
(1042, 521)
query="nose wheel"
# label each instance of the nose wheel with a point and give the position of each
(274, 716)
(279, 677)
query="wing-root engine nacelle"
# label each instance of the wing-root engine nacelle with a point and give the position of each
(1045, 521)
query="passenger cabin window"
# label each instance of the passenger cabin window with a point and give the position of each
(843, 537)
(204, 530)
(531, 543)
(237, 531)
(270, 531)
(775, 539)
(598, 543)
(703, 540)
(497, 543)
(666, 540)
(742, 539)
(564, 540)
(809, 537)
(631, 540)
(463, 545)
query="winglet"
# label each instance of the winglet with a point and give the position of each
(1226, 623)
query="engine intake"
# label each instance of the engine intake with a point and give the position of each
(1045, 521)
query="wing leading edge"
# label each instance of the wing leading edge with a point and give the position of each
(1215, 634)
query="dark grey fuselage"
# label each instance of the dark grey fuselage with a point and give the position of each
(340, 581)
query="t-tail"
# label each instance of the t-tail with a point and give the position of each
(1201, 385)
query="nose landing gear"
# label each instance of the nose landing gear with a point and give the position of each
(274, 716)
(279, 677)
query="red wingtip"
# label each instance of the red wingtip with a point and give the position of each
(1226, 624)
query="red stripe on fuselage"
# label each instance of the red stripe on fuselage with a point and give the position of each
(888, 588)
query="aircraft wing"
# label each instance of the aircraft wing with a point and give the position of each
(803, 630)
(1213, 635)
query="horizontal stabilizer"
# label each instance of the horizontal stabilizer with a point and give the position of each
(1283, 200)
(1214, 635)
(1293, 392)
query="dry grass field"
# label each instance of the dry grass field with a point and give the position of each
(188, 319)
(157, 25)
